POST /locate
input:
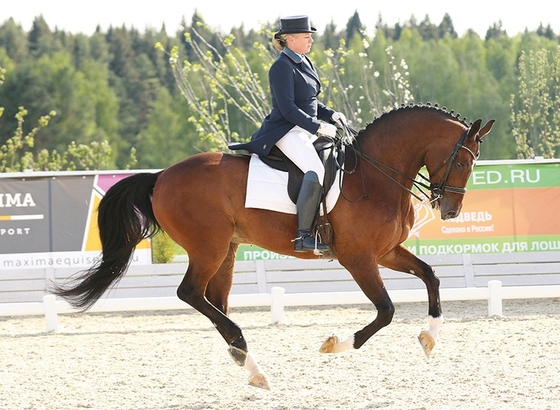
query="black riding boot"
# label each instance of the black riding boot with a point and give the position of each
(308, 201)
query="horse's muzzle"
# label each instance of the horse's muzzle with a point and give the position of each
(449, 210)
(449, 215)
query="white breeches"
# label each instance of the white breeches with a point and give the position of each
(297, 145)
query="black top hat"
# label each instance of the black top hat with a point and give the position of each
(295, 24)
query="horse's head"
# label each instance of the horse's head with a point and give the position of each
(449, 171)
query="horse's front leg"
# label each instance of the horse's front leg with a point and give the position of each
(402, 260)
(366, 274)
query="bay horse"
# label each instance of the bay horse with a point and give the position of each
(200, 203)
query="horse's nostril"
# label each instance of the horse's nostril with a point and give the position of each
(449, 215)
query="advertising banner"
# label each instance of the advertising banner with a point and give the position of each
(508, 208)
(51, 221)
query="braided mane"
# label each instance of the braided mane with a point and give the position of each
(416, 107)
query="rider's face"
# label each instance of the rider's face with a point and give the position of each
(300, 42)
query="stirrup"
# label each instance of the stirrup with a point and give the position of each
(306, 243)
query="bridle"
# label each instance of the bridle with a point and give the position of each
(436, 189)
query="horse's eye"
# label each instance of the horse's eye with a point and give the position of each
(460, 165)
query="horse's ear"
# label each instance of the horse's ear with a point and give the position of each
(486, 129)
(473, 130)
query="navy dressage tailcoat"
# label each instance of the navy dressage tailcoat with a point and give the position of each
(294, 86)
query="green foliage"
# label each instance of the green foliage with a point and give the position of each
(224, 94)
(164, 141)
(535, 110)
(14, 154)
(115, 86)
(373, 93)
(17, 152)
(221, 86)
(163, 248)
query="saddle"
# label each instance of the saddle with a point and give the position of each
(331, 153)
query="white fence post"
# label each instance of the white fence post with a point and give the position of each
(495, 298)
(51, 316)
(277, 305)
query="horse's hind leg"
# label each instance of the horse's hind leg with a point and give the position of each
(219, 286)
(215, 306)
(402, 260)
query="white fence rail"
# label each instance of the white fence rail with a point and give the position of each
(298, 282)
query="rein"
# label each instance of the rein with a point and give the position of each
(436, 190)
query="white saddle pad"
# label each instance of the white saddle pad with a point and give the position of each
(267, 189)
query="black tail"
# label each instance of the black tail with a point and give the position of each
(125, 217)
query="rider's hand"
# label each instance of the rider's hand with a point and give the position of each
(327, 129)
(339, 118)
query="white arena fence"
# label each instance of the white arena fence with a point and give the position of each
(294, 282)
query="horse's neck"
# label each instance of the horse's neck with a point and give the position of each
(404, 154)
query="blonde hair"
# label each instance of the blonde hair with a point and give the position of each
(279, 41)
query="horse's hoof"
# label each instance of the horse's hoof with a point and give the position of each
(239, 356)
(427, 342)
(259, 380)
(329, 345)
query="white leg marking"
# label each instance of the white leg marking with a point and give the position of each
(348, 344)
(251, 365)
(434, 324)
(257, 378)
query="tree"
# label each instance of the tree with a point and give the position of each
(546, 32)
(96, 89)
(434, 69)
(41, 39)
(87, 107)
(354, 27)
(362, 86)
(446, 27)
(166, 139)
(80, 50)
(218, 85)
(330, 38)
(225, 93)
(388, 32)
(108, 86)
(99, 49)
(427, 30)
(13, 39)
(163, 71)
(495, 31)
(535, 111)
(19, 152)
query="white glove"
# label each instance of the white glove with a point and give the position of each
(327, 129)
(339, 118)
